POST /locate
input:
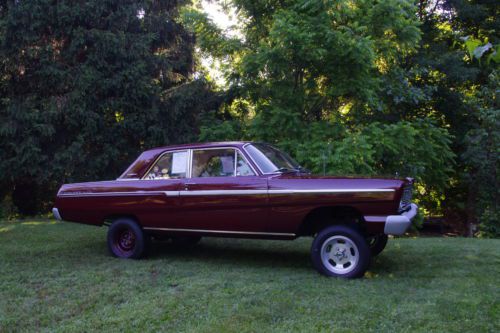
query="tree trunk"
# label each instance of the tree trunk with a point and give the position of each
(471, 211)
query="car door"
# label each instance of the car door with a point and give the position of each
(163, 181)
(224, 194)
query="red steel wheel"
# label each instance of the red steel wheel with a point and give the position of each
(124, 242)
(126, 239)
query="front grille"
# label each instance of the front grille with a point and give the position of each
(406, 197)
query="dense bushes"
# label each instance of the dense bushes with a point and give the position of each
(371, 87)
(85, 87)
(347, 87)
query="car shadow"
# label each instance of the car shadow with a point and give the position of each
(281, 255)
(236, 253)
(231, 253)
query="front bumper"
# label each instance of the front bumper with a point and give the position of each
(398, 224)
(55, 211)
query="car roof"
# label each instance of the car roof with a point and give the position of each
(200, 145)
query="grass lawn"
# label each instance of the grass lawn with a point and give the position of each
(58, 277)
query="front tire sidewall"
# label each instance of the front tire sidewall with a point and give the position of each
(119, 226)
(377, 244)
(354, 236)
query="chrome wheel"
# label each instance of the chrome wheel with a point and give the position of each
(339, 254)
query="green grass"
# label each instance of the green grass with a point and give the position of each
(58, 277)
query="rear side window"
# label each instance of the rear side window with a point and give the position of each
(170, 166)
(214, 163)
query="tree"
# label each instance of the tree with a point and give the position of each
(323, 79)
(85, 86)
(482, 144)
(450, 81)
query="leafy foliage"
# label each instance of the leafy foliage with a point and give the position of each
(347, 87)
(85, 86)
(323, 80)
(371, 87)
(481, 158)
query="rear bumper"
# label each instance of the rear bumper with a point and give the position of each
(55, 211)
(398, 224)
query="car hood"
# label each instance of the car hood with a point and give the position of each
(341, 181)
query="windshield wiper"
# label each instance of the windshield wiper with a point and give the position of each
(297, 169)
(285, 170)
(302, 169)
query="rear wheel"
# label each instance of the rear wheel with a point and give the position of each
(377, 243)
(340, 251)
(126, 239)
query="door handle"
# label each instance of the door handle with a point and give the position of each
(186, 185)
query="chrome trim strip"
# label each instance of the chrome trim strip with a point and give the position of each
(235, 162)
(190, 164)
(277, 192)
(326, 191)
(108, 194)
(375, 218)
(222, 192)
(225, 192)
(222, 231)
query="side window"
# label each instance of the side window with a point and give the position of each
(213, 163)
(242, 167)
(169, 166)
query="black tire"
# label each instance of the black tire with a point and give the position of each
(352, 254)
(377, 243)
(186, 241)
(126, 239)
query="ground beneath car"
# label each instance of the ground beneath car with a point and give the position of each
(59, 277)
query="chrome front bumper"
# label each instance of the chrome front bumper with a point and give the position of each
(398, 224)
(55, 211)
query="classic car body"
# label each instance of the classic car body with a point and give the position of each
(230, 189)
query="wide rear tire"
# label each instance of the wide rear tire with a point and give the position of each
(126, 239)
(340, 251)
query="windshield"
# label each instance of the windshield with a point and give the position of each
(270, 159)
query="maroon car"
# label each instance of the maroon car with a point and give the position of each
(242, 189)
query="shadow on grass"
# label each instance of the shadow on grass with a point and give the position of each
(286, 255)
(236, 254)
(393, 262)
(421, 258)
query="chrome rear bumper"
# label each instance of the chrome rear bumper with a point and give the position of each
(55, 211)
(398, 224)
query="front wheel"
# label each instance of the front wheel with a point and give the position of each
(126, 239)
(340, 251)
